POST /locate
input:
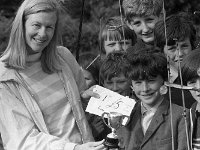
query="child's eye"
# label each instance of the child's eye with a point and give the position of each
(149, 20)
(151, 80)
(136, 23)
(191, 82)
(171, 48)
(108, 82)
(185, 46)
(123, 81)
(111, 44)
(138, 82)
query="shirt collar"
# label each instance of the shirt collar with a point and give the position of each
(152, 109)
(173, 74)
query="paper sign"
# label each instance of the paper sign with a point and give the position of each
(109, 101)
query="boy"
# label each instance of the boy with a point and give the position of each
(149, 127)
(190, 67)
(115, 36)
(141, 16)
(113, 73)
(180, 40)
(89, 63)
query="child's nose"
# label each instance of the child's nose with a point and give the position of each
(179, 52)
(115, 88)
(145, 86)
(145, 27)
(118, 47)
(198, 84)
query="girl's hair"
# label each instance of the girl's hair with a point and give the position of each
(147, 63)
(179, 26)
(142, 8)
(113, 30)
(190, 65)
(16, 52)
(91, 63)
(115, 64)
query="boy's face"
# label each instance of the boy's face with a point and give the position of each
(114, 45)
(119, 84)
(88, 78)
(144, 27)
(195, 83)
(177, 51)
(148, 91)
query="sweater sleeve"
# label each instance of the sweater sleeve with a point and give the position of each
(76, 69)
(67, 56)
(19, 131)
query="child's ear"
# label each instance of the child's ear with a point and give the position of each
(161, 16)
(163, 90)
(132, 88)
(198, 72)
(129, 24)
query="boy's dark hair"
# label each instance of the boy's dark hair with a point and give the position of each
(85, 61)
(140, 8)
(190, 65)
(115, 64)
(178, 26)
(113, 30)
(147, 63)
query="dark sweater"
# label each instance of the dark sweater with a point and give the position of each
(176, 96)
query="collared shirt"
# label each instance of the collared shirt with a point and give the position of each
(147, 115)
(173, 74)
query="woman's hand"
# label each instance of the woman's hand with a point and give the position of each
(90, 93)
(91, 146)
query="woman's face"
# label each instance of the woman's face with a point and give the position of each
(39, 30)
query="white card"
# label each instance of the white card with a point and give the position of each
(109, 101)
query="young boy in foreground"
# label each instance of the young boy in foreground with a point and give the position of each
(150, 122)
